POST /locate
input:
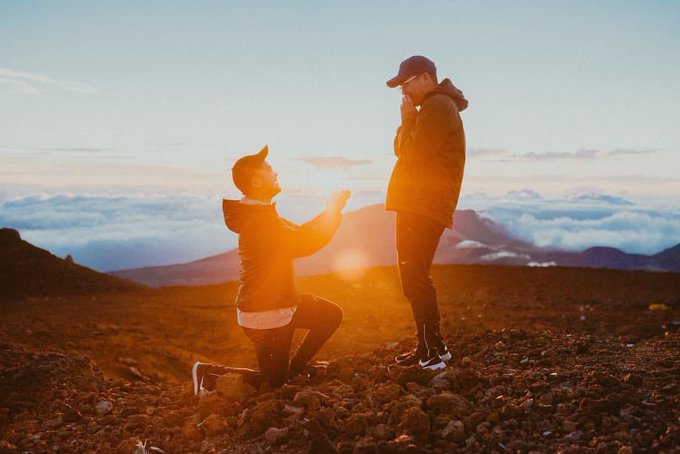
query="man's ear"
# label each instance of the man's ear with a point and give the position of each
(255, 182)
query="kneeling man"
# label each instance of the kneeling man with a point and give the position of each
(269, 308)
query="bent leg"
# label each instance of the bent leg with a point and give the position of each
(322, 318)
(272, 347)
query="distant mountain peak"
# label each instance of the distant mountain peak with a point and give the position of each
(27, 270)
(7, 234)
(366, 238)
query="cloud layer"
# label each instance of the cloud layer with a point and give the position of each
(334, 162)
(583, 220)
(109, 233)
(134, 230)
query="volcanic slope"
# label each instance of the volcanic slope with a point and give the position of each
(547, 359)
(26, 270)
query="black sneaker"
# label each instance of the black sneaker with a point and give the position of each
(443, 352)
(204, 381)
(408, 354)
(432, 361)
(409, 358)
(424, 359)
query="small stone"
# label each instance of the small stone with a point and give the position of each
(231, 386)
(72, 415)
(440, 383)
(129, 445)
(137, 423)
(127, 361)
(356, 424)
(569, 426)
(380, 432)
(364, 446)
(103, 407)
(55, 423)
(310, 399)
(293, 410)
(632, 379)
(137, 373)
(454, 431)
(449, 403)
(576, 435)
(190, 431)
(6, 447)
(415, 422)
(274, 435)
(215, 425)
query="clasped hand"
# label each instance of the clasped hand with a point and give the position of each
(338, 200)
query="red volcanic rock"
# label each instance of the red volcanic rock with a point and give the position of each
(555, 385)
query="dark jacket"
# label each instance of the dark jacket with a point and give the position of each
(267, 244)
(430, 150)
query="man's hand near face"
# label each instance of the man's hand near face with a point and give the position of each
(408, 109)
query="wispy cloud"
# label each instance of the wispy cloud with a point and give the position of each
(334, 162)
(18, 87)
(27, 83)
(476, 152)
(97, 172)
(166, 144)
(53, 150)
(579, 155)
(83, 150)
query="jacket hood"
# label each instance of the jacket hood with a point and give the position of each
(447, 88)
(237, 212)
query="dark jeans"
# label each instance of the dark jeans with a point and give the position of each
(417, 240)
(321, 317)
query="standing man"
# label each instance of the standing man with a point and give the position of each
(424, 190)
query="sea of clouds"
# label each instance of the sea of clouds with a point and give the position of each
(579, 221)
(111, 232)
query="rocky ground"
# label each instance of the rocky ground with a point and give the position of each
(545, 360)
(504, 391)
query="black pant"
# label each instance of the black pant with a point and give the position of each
(417, 240)
(321, 317)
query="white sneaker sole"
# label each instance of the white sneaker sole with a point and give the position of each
(194, 376)
(446, 356)
(437, 366)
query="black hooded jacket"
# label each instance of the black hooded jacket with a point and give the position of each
(267, 245)
(430, 150)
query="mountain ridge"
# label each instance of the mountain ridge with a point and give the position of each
(27, 270)
(366, 238)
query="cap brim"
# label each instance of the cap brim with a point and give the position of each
(262, 154)
(395, 81)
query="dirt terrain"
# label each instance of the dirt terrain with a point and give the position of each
(545, 360)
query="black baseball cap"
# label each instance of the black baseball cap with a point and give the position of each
(412, 66)
(243, 169)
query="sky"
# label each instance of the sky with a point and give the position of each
(119, 121)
